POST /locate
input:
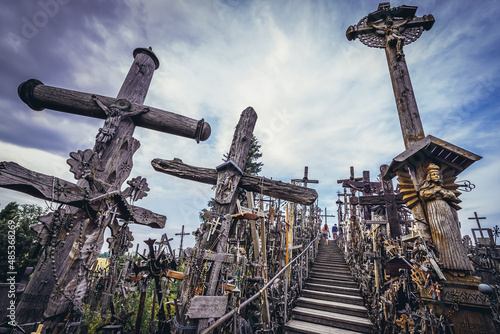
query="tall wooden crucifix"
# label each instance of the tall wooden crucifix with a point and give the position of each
(391, 28)
(428, 168)
(73, 235)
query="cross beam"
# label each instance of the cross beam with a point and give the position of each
(39, 96)
(54, 189)
(253, 183)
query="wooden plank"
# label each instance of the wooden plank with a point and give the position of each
(204, 307)
(327, 303)
(175, 274)
(253, 229)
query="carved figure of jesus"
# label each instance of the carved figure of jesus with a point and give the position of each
(392, 35)
(443, 221)
(115, 113)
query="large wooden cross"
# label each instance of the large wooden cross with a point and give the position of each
(59, 281)
(390, 29)
(228, 177)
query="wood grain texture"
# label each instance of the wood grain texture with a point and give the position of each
(39, 96)
(409, 117)
(16, 177)
(253, 183)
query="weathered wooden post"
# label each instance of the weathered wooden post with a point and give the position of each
(428, 168)
(73, 235)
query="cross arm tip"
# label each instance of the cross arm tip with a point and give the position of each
(25, 92)
(351, 33)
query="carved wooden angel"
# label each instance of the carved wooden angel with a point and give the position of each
(443, 220)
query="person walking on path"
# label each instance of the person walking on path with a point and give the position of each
(325, 232)
(334, 231)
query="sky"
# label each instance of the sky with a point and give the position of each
(322, 101)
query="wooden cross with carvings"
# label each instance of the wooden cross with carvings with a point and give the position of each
(228, 177)
(96, 200)
(390, 29)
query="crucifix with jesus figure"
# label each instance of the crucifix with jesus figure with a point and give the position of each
(73, 235)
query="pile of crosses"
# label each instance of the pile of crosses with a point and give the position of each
(400, 277)
(258, 244)
(230, 253)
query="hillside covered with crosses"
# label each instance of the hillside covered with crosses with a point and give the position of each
(110, 146)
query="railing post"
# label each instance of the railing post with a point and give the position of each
(307, 264)
(300, 274)
(286, 298)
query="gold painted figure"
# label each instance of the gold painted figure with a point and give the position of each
(443, 221)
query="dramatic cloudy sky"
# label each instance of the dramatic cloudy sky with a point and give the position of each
(322, 101)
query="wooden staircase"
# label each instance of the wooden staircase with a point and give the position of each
(330, 302)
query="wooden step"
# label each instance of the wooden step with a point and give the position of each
(333, 319)
(331, 276)
(331, 306)
(333, 269)
(333, 289)
(302, 327)
(316, 280)
(330, 261)
(335, 297)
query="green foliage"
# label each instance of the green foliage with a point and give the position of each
(252, 166)
(92, 318)
(26, 242)
(104, 255)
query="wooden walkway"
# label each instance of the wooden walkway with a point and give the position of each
(330, 302)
